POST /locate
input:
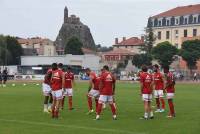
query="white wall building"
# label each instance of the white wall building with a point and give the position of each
(91, 61)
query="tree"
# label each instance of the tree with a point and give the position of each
(141, 59)
(164, 53)
(10, 50)
(74, 47)
(190, 52)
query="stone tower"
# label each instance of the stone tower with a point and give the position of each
(65, 15)
(73, 27)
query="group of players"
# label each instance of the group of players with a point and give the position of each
(160, 84)
(3, 77)
(59, 84)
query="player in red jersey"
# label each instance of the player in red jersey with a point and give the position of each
(93, 89)
(158, 88)
(107, 90)
(169, 87)
(57, 84)
(69, 83)
(46, 87)
(146, 82)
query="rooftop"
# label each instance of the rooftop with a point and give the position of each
(180, 11)
(133, 41)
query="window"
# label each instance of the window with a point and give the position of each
(159, 35)
(176, 33)
(177, 21)
(168, 22)
(194, 19)
(185, 33)
(167, 35)
(194, 32)
(185, 20)
(160, 23)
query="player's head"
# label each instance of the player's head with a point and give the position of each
(166, 69)
(155, 68)
(144, 68)
(60, 65)
(105, 68)
(69, 69)
(87, 71)
(54, 66)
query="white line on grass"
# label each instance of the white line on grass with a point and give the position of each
(70, 126)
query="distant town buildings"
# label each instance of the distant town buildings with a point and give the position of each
(122, 50)
(176, 25)
(37, 46)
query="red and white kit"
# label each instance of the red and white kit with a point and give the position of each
(69, 78)
(159, 85)
(170, 89)
(146, 80)
(94, 92)
(56, 84)
(46, 85)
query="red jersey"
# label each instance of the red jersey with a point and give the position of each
(95, 80)
(107, 80)
(69, 77)
(170, 81)
(158, 81)
(47, 77)
(146, 80)
(56, 80)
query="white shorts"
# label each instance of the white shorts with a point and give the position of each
(106, 98)
(57, 94)
(147, 97)
(158, 94)
(170, 95)
(93, 93)
(46, 89)
(68, 92)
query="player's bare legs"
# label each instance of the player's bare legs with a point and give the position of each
(146, 109)
(55, 108)
(70, 102)
(89, 100)
(63, 103)
(163, 104)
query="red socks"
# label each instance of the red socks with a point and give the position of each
(171, 107)
(99, 108)
(113, 108)
(96, 101)
(158, 103)
(70, 102)
(63, 102)
(163, 103)
(89, 103)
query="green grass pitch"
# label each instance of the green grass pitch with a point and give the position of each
(21, 113)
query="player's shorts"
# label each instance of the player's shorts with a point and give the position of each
(94, 93)
(68, 92)
(106, 98)
(58, 95)
(158, 93)
(170, 95)
(147, 97)
(46, 89)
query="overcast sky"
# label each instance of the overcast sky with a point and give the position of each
(107, 19)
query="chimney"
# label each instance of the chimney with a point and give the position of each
(116, 41)
(124, 38)
(142, 38)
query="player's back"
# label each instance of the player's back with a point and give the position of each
(146, 80)
(170, 82)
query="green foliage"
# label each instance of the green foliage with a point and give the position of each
(74, 47)
(164, 53)
(190, 52)
(10, 50)
(141, 59)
